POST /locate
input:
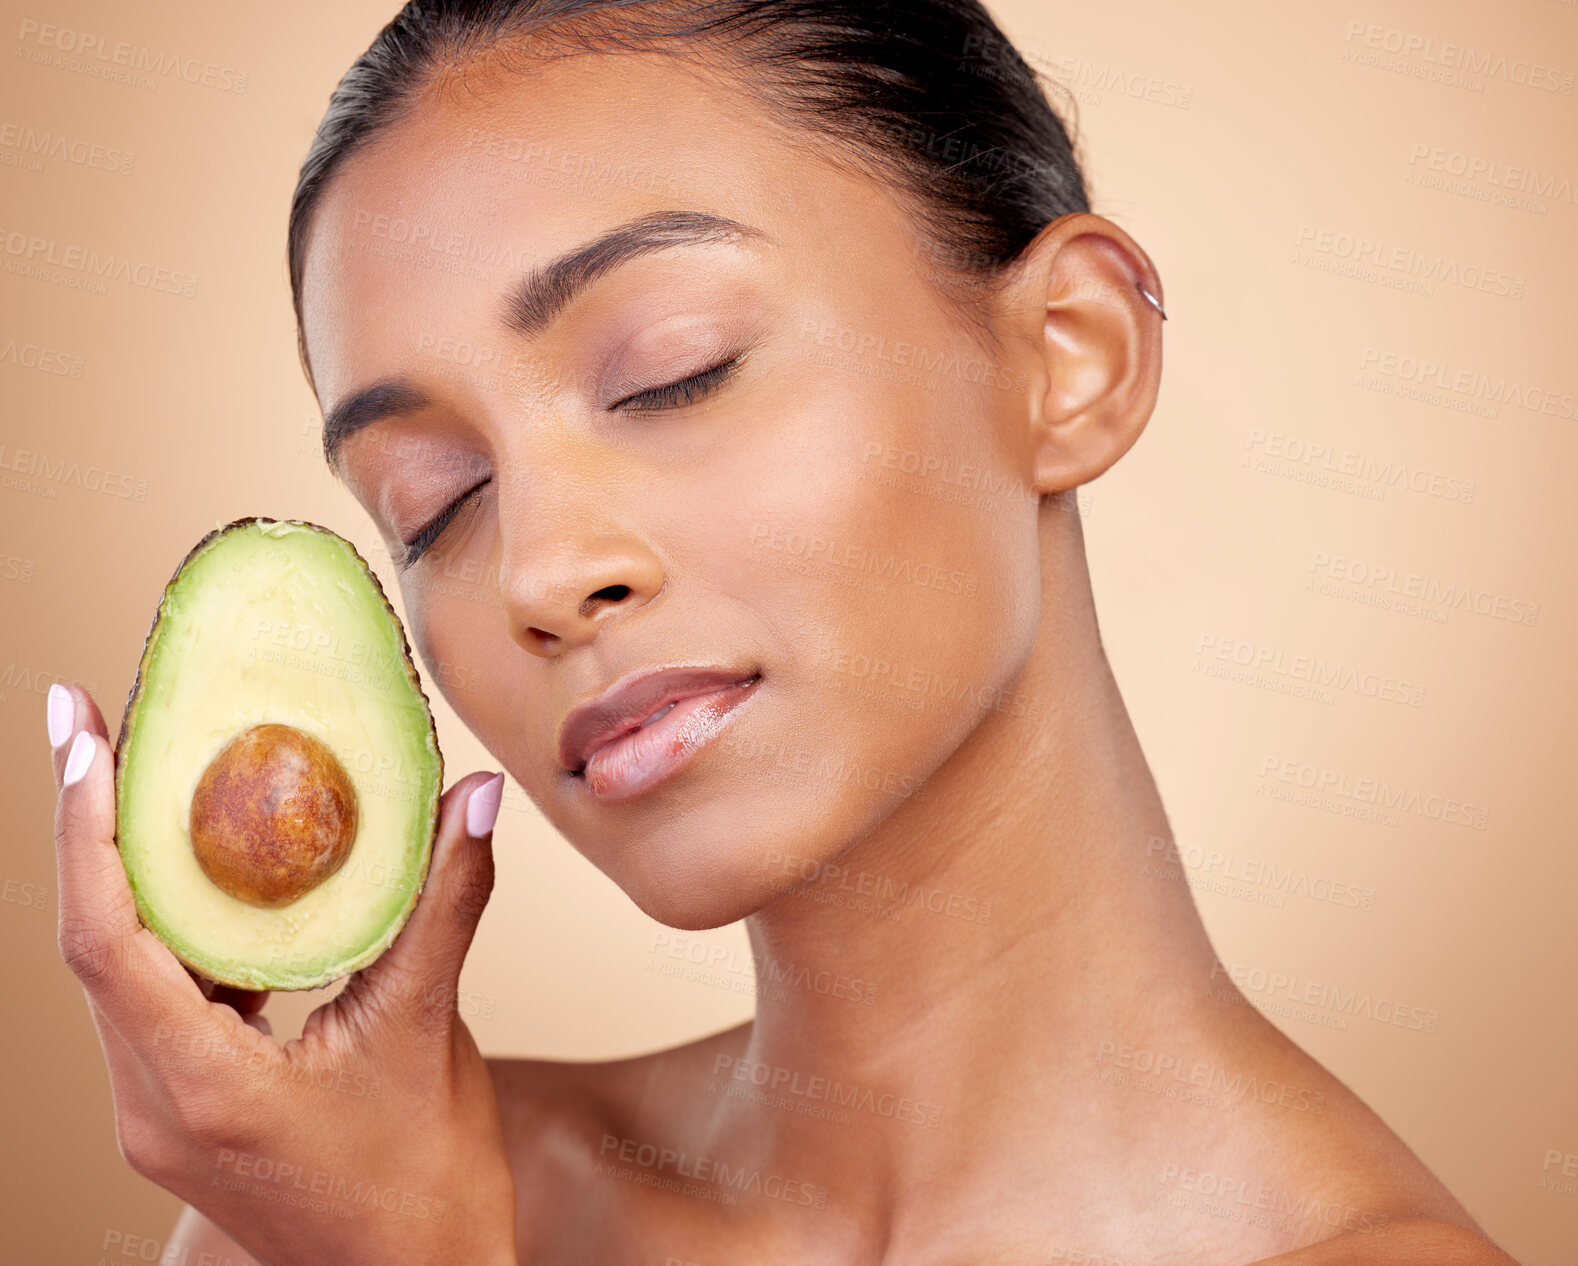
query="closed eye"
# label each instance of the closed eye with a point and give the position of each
(418, 545)
(686, 391)
(670, 396)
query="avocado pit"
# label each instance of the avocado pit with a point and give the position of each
(273, 816)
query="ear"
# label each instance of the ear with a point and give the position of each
(1098, 343)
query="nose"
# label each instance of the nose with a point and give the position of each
(569, 558)
(558, 601)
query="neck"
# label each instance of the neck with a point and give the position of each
(1011, 917)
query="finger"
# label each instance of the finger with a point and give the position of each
(70, 709)
(247, 1002)
(244, 1001)
(62, 723)
(417, 976)
(133, 980)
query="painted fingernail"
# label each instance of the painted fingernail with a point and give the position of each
(482, 810)
(62, 713)
(81, 757)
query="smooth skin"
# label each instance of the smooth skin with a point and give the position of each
(606, 539)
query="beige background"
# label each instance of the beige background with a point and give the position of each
(1242, 143)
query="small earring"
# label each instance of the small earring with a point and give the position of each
(1152, 300)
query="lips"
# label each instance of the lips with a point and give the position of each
(625, 707)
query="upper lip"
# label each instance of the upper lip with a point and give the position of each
(627, 703)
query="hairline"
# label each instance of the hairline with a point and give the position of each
(967, 296)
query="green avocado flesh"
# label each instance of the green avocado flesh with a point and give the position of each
(274, 624)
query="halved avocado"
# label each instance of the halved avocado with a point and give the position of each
(277, 771)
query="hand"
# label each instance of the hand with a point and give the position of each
(374, 1137)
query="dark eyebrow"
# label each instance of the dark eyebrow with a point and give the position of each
(390, 398)
(532, 303)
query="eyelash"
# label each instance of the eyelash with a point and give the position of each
(418, 545)
(669, 396)
(686, 391)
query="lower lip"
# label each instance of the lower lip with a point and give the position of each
(645, 757)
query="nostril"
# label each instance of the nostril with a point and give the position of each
(609, 594)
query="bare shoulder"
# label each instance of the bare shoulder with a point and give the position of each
(1346, 1170)
(1340, 1173)
(642, 1091)
(559, 1116)
(1407, 1242)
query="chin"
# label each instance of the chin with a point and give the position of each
(706, 865)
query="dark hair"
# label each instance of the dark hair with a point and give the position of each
(927, 94)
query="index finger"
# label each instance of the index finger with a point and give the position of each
(131, 977)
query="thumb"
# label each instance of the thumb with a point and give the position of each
(417, 976)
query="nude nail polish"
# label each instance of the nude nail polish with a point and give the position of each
(62, 714)
(482, 810)
(80, 759)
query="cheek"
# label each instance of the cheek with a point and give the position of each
(888, 539)
(889, 611)
(431, 629)
(457, 625)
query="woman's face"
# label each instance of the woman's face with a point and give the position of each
(845, 512)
